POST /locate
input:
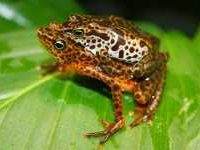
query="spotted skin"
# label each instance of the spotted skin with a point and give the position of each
(116, 52)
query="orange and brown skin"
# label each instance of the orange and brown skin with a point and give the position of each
(115, 52)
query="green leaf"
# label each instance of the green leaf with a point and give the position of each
(54, 113)
(32, 13)
(51, 113)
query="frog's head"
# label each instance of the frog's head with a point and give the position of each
(91, 33)
(54, 39)
(84, 33)
(88, 34)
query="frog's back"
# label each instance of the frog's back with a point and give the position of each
(122, 40)
(132, 43)
(129, 26)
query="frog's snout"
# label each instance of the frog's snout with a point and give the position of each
(40, 32)
(45, 34)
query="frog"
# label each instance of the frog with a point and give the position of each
(115, 51)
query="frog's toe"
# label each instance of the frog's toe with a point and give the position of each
(106, 124)
(105, 137)
(96, 134)
(140, 120)
(108, 132)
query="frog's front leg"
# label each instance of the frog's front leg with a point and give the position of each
(51, 68)
(116, 95)
(147, 94)
(62, 68)
(119, 119)
(117, 100)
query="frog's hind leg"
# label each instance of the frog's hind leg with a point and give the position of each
(147, 94)
(112, 128)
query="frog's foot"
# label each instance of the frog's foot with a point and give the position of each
(141, 116)
(108, 132)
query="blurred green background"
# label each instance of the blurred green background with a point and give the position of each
(18, 14)
(53, 113)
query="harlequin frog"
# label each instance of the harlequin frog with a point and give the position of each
(116, 52)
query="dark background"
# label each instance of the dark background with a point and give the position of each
(168, 14)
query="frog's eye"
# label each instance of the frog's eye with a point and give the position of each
(59, 45)
(78, 32)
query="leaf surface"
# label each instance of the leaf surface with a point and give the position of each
(53, 113)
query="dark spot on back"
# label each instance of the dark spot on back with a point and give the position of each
(135, 56)
(92, 47)
(120, 41)
(121, 54)
(96, 28)
(83, 55)
(112, 41)
(142, 43)
(98, 45)
(132, 37)
(129, 57)
(131, 49)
